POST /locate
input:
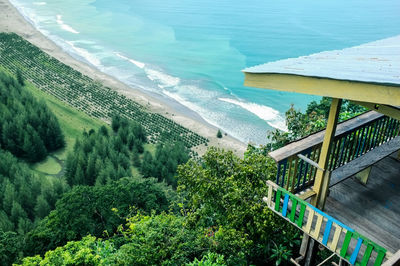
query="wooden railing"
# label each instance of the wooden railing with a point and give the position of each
(353, 139)
(334, 235)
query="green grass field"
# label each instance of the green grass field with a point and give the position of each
(73, 123)
(48, 166)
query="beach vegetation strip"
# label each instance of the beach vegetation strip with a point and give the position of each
(86, 94)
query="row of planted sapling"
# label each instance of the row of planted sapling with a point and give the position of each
(85, 94)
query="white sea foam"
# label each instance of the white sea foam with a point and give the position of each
(270, 115)
(65, 26)
(135, 62)
(164, 80)
(39, 3)
(205, 114)
(91, 58)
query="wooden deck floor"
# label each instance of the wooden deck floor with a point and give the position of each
(372, 209)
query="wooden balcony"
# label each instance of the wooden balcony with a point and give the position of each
(367, 206)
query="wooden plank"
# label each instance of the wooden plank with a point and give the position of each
(311, 140)
(306, 195)
(346, 243)
(285, 205)
(277, 200)
(301, 215)
(379, 258)
(310, 219)
(354, 255)
(338, 231)
(293, 211)
(367, 255)
(269, 200)
(318, 225)
(327, 232)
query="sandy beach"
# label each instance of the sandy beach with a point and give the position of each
(12, 21)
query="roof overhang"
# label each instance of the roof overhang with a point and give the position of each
(344, 89)
(366, 73)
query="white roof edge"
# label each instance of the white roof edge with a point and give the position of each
(373, 62)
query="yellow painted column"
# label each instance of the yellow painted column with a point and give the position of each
(322, 177)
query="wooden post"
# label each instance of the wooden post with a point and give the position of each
(321, 183)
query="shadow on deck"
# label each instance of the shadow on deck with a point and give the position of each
(372, 209)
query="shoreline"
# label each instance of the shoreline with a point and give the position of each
(12, 21)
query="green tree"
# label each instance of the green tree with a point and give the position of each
(10, 247)
(219, 134)
(88, 210)
(224, 190)
(42, 207)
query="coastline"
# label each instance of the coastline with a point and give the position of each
(12, 21)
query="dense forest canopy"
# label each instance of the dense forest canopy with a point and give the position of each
(27, 127)
(121, 200)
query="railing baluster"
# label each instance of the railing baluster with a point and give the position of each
(390, 127)
(299, 174)
(365, 139)
(284, 173)
(294, 176)
(306, 170)
(342, 150)
(371, 137)
(360, 140)
(384, 129)
(289, 174)
(339, 146)
(332, 156)
(398, 128)
(377, 133)
(278, 173)
(352, 146)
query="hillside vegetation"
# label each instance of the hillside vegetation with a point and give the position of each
(127, 193)
(83, 93)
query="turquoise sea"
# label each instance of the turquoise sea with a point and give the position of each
(192, 52)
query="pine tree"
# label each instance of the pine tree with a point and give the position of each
(33, 146)
(42, 207)
(5, 223)
(17, 212)
(91, 169)
(9, 196)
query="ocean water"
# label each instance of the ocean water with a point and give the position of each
(192, 52)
